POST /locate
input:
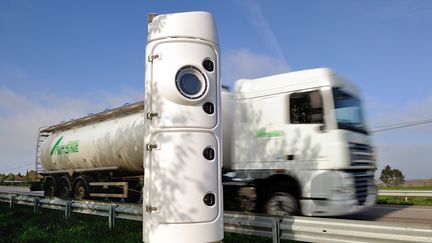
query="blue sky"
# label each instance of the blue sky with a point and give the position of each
(64, 59)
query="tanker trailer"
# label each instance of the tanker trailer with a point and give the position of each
(99, 155)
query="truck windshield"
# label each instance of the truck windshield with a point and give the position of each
(349, 114)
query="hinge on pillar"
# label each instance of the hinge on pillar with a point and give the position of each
(150, 147)
(152, 57)
(150, 115)
(150, 209)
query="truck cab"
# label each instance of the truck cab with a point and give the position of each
(298, 145)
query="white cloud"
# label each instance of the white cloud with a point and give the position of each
(243, 63)
(22, 115)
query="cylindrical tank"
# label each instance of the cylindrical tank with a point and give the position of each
(116, 142)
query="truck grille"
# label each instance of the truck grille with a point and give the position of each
(362, 181)
(361, 154)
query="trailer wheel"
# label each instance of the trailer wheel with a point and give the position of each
(81, 189)
(281, 204)
(64, 188)
(50, 187)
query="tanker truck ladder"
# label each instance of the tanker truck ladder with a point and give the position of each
(42, 136)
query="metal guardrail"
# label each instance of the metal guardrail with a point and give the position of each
(290, 228)
(110, 210)
(324, 229)
(405, 193)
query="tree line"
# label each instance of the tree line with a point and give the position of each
(28, 177)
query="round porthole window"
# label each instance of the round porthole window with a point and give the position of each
(191, 82)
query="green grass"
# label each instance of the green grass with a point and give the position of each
(22, 225)
(417, 201)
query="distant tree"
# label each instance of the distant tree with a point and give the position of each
(19, 174)
(386, 175)
(10, 177)
(31, 175)
(398, 178)
(2, 178)
(392, 177)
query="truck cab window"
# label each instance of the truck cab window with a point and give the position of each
(306, 108)
(349, 113)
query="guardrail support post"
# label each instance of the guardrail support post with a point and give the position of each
(111, 217)
(276, 230)
(12, 202)
(68, 209)
(36, 206)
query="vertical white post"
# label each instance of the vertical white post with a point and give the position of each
(182, 192)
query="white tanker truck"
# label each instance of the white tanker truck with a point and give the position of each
(294, 143)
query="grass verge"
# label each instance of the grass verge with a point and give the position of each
(22, 225)
(417, 201)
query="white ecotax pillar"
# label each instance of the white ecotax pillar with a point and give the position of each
(182, 191)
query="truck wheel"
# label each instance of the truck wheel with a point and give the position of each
(50, 188)
(64, 188)
(281, 204)
(81, 189)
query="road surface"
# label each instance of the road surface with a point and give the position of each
(20, 190)
(395, 213)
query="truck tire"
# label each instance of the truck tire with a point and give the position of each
(50, 187)
(281, 204)
(81, 189)
(64, 187)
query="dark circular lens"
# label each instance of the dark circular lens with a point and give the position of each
(190, 84)
(208, 107)
(208, 65)
(209, 153)
(209, 199)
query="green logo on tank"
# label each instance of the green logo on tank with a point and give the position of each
(69, 148)
(263, 133)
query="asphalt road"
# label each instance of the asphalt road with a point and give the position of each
(20, 190)
(384, 213)
(395, 213)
